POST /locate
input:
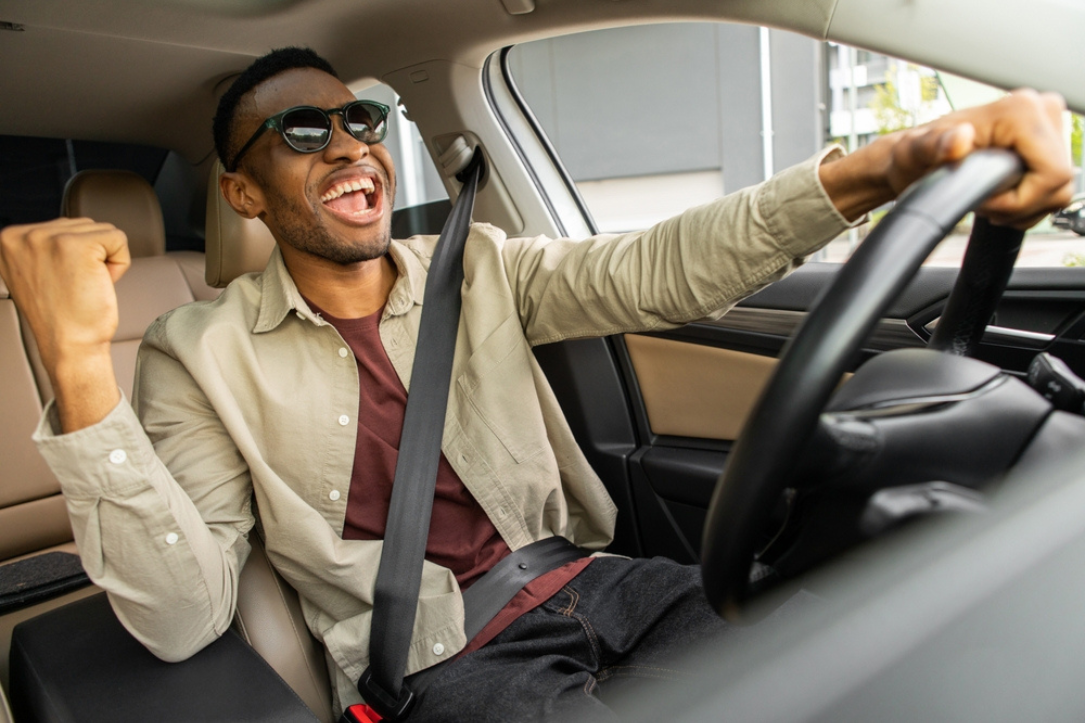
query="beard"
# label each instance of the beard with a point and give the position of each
(315, 239)
(318, 242)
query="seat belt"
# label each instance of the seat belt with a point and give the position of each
(399, 578)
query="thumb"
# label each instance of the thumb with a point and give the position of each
(956, 143)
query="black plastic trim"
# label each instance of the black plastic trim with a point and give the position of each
(77, 663)
(529, 116)
(487, 89)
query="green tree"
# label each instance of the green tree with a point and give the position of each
(887, 110)
(1077, 125)
(889, 113)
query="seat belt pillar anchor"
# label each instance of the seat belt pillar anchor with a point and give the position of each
(477, 159)
(387, 705)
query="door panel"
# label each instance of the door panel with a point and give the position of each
(688, 391)
(684, 393)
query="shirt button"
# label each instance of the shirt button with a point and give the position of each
(118, 456)
(344, 419)
(438, 649)
(343, 352)
(171, 539)
(334, 496)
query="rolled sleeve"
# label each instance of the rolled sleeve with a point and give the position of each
(140, 537)
(695, 265)
(109, 459)
(798, 211)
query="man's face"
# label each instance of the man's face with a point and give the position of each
(308, 199)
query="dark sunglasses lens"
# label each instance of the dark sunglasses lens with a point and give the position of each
(306, 129)
(366, 122)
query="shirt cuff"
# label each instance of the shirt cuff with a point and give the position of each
(108, 459)
(797, 209)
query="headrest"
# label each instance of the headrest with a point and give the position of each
(122, 198)
(234, 245)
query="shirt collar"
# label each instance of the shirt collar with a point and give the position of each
(280, 295)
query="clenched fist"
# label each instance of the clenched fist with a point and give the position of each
(61, 275)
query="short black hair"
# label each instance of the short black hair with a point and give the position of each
(267, 66)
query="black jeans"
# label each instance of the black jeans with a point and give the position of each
(617, 622)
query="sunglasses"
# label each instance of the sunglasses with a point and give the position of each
(308, 129)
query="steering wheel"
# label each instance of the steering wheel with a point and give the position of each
(764, 459)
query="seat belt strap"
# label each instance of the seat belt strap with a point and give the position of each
(485, 599)
(399, 577)
(493, 591)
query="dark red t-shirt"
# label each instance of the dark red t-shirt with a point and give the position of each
(461, 536)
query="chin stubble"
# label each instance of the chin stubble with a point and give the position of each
(317, 241)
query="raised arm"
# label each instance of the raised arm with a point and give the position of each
(61, 275)
(168, 557)
(701, 262)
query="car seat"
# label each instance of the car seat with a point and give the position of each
(268, 610)
(33, 517)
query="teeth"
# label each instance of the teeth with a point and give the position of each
(365, 185)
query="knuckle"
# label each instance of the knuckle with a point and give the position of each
(1053, 100)
(1024, 96)
(1064, 195)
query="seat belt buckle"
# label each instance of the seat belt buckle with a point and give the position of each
(360, 713)
(386, 705)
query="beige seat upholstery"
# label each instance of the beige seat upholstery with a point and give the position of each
(156, 282)
(234, 245)
(268, 610)
(122, 198)
(269, 617)
(32, 512)
(33, 518)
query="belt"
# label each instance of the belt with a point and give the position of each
(492, 592)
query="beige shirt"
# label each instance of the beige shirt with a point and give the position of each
(253, 398)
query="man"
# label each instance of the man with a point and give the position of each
(289, 391)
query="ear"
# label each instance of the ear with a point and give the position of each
(242, 194)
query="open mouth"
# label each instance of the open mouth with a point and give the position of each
(354, 197)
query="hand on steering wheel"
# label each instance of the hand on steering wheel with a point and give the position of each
(764, 459)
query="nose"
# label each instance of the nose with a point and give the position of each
(343, 146)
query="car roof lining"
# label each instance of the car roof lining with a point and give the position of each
(165, 61)
(151, 50)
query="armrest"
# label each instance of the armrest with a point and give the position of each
(77, 663)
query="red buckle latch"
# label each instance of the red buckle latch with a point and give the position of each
(360, 713)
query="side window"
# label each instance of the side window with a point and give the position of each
(652, 120)
(421, 203)
(34, 171)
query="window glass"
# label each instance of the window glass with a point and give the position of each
(651, 120)
(421, 203)
(33, 171)
(417, 179)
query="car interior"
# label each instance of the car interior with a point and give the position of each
(656, 414)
